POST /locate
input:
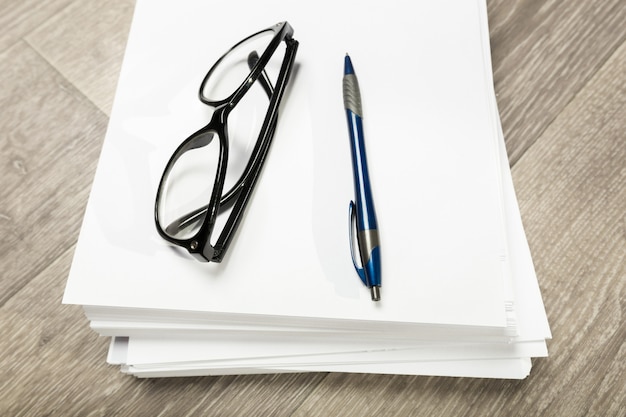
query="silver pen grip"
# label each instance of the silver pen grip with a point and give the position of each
(352, 94)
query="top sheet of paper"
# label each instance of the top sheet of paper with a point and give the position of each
(431, 136)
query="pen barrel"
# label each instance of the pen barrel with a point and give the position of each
(365, 214)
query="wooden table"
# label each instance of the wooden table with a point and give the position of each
(560, 78)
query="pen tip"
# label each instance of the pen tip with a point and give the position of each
(375, 293)
(347, 66)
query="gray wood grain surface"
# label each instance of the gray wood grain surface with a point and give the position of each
(560, 77)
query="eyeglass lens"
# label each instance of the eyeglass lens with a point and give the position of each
(189, 183)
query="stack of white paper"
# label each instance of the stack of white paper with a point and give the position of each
(459, 294)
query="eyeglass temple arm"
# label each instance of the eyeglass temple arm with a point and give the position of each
(253, 58)
(259, 153)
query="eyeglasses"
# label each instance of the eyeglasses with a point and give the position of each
(245, 87)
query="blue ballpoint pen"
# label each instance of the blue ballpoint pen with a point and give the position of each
(362, 215)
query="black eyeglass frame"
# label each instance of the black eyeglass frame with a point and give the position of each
(238, 196)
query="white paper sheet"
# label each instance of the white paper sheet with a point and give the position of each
(432, 158)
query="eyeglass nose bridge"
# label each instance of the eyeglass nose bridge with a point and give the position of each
(202, 139)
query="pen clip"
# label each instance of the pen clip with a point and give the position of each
(354, 240)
